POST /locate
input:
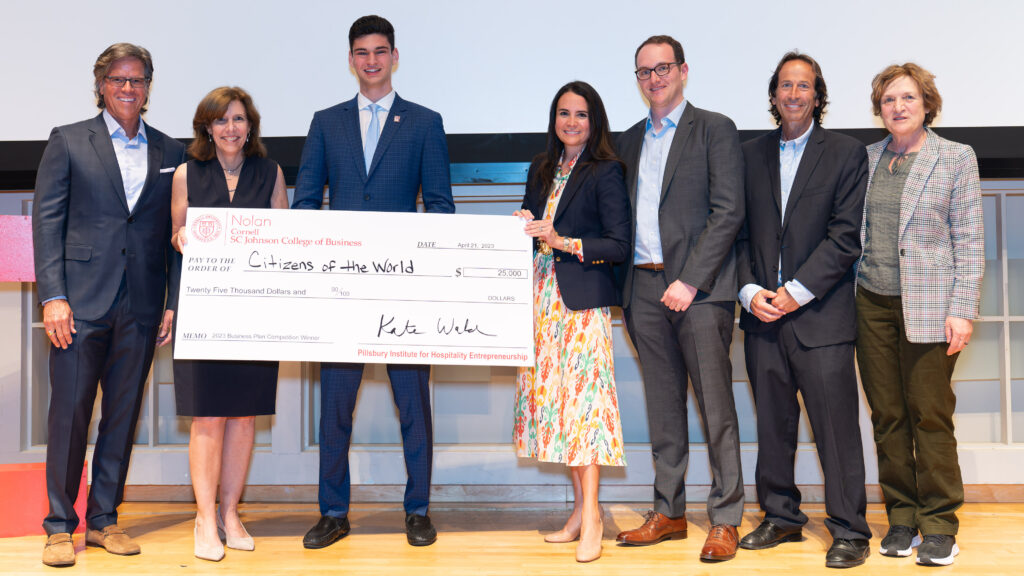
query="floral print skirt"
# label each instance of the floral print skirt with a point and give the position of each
(566, 410)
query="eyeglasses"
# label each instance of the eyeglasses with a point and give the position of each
(661, 70)
(119, 81)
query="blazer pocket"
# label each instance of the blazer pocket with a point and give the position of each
(78, 252)
(816, 191)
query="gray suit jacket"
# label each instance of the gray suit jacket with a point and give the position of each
(702, 202)
(85, 237)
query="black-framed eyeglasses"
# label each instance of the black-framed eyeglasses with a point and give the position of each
(119, 81)
(661, 70)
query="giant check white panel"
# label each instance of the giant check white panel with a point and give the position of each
(338, 286)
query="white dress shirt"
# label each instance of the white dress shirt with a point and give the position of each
(385, 104)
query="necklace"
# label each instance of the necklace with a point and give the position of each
(896, 164)
(233, 171)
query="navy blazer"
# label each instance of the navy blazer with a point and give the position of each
(85, 239)
(412, 153)
(594, 207)
(819, 240)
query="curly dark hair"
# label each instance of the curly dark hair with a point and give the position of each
(820, 89)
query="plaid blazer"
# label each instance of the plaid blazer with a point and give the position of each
(942, 236)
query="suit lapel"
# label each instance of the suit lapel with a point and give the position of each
(771, 158)
(353, 133)
(155, 146)
(925, 162)
(808, 162)
(635, 143)
(675, 152)
(391, 127)
(579, 174)
(100, 140)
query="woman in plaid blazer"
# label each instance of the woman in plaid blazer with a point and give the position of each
(918, 287)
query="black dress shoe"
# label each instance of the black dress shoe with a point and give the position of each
(847, 553)
(769, 535)
(419, 531)
(326, 532)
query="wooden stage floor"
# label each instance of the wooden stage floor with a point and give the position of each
(480, 539)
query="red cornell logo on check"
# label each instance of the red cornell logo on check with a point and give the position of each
(206, 228)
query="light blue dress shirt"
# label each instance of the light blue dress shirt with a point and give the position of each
(132, 157)
(385, 104)
(650, 175)
(790, 153)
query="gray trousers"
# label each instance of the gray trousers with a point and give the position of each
(672, 346)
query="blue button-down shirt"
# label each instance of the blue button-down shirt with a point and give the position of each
(132, 157)
(790, 153)
(650, 175)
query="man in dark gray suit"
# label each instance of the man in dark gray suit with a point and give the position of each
(685, 176)
(101, 223)
(805, 191)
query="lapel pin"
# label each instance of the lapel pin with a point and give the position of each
(397, 118)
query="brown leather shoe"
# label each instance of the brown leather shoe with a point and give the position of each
(657, 527)
(59, 551)
(721, 544)
(114, 539)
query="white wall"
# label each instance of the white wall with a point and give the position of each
(493, 66)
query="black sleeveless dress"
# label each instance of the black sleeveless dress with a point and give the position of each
(227, 387)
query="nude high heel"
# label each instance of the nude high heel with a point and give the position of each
(211, 552)
(589, 548)
(244, 543)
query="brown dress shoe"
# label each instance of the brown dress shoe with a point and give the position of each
(721, 543)
(657, 527)
(114, 539)
(59, 551)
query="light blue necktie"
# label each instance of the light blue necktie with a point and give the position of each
(372, 135)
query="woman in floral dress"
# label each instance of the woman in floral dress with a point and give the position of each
(566, 409)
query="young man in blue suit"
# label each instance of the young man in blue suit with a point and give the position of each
(375, 152)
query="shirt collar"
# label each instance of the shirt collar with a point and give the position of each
(385, 103)
(116, 130)
(671, 120)
(799, 140)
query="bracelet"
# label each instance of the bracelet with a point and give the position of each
(567, 244)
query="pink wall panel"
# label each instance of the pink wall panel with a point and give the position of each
(16, 249)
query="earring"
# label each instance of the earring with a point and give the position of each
(247, 137)
(210, 137)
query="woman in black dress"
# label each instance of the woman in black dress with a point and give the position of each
(230, 170)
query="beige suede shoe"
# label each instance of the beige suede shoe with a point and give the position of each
(114, 539)
(59, 551)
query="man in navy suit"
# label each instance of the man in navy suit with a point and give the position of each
(101, 227)
(376, 152)
(805, 189)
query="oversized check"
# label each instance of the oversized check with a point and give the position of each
(338, 286)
